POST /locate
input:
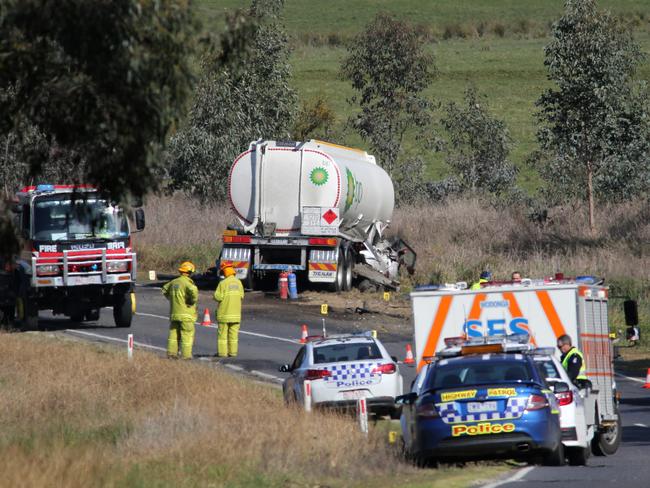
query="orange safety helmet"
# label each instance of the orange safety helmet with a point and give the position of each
(227, 269)
(186, 267)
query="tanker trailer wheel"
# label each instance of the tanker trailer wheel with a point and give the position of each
(347, 274)
(339, 282)
(123, 309)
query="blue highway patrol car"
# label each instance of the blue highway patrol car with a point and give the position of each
(475, 401)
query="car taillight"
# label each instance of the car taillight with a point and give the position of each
(47, 270)
(536, 402)
(384, 368)
(322, 241)
(237, 239)
(317, 374)
(426, 410)
(564, 398)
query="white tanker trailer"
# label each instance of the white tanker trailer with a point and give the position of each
(316, 208)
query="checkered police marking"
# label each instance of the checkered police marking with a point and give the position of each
(450, 412)
(349, 375)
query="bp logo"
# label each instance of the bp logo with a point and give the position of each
(319, 176)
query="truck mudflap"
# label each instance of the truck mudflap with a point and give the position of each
(80, 268)
(323, 265)
(239, 258)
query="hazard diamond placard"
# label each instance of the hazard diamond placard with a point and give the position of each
(320, 221)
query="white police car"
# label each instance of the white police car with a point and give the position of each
(576, 407)
(343, 368)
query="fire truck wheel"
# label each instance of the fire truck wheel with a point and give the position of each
(92, 315)
(26, 313)
(122, 310)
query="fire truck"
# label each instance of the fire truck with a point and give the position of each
(76, 258)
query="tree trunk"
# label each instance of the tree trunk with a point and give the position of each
(590, 197)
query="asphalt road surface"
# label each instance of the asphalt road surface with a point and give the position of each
(269, 335)
(269, 338)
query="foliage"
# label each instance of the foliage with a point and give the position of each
(243, 95)
(314, 120)
(389, 69)
(478, 147)
(595, 120)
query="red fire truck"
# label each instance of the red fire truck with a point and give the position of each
(77, 256)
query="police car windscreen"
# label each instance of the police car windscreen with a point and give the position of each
(480, 372)
(346, 352)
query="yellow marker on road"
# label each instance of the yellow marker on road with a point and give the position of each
(323, 309)
(386, 296)
(392, 437)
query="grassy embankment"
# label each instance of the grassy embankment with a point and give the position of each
(496, 45)
(78, 415)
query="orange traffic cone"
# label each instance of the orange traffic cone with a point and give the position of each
(303, 334)
(409, 355)
(207, 322)
(647, 379)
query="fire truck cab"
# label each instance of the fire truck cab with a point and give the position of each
(76, 258)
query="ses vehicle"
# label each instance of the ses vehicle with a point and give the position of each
(342, 369)
(545, 309)
(77, 255)
(475, 400)
(316, 208)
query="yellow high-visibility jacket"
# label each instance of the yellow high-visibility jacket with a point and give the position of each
(229, 294)
(183, 296)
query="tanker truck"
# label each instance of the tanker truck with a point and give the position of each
(316, 208)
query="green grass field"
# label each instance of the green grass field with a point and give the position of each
(506, 63)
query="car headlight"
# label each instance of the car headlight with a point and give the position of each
(47, 270)
(117, 266)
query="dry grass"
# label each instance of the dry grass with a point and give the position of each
(456, 240)
(77, 415)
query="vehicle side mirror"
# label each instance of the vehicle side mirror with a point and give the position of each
(139, 219)
(285, 368)
(394, 358)
(408, 399)
(561, 387)
(631, 312)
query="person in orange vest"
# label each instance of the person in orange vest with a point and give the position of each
(229, 295)
(183, 296)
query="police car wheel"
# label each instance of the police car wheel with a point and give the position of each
(555, 457)
(578, 456)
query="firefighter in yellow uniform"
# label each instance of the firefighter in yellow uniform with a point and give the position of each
(229, 295)
(183, 296)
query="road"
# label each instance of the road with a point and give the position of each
(628, 468)
(269, 338)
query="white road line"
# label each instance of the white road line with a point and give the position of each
(638, 380)
(515, 477)
(641, 425)
(109, 338)
(245, 332)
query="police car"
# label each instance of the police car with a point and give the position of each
(475, 399)
(343, 368)
(577, 407)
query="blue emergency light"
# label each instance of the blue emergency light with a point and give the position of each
(45, 188)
